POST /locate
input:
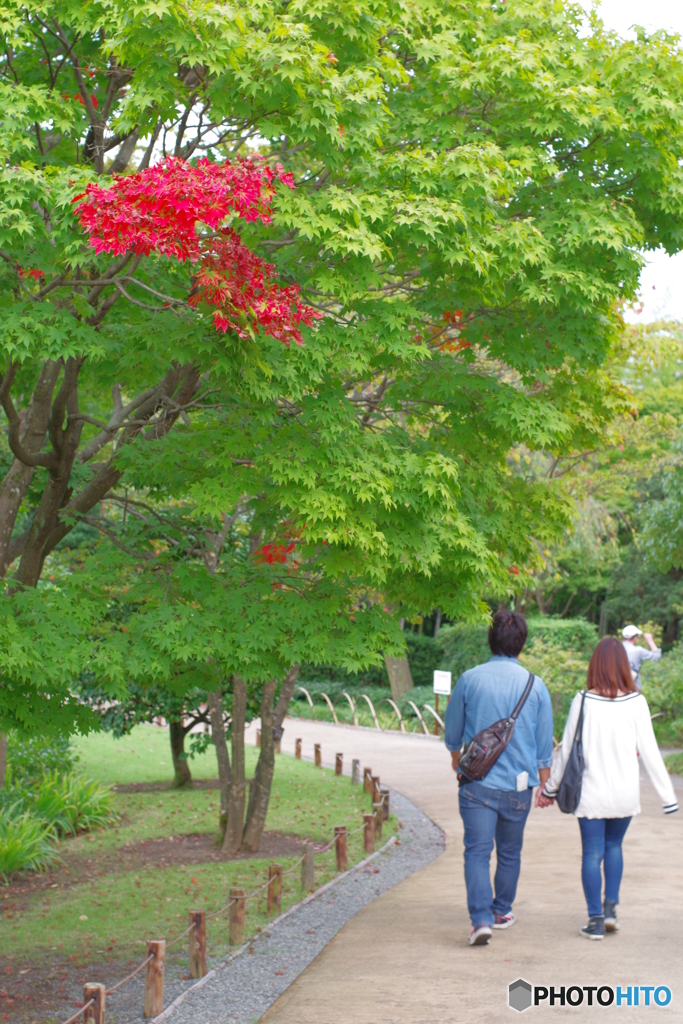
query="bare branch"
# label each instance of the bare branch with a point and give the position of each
(144, 163)
(146, 556)
(78, 75)
(122, 158)
(117, 419)
(105, 279)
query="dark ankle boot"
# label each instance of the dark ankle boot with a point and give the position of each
(609, 909)
(595, 929)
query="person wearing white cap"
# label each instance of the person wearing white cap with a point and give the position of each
(637, 655)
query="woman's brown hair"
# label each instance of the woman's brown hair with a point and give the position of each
(609, 672)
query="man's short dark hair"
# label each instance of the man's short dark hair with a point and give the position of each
(507, 633)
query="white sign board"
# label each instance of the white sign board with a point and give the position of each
(442, 682)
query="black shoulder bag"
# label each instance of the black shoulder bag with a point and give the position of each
(569, 794)
(485, 748)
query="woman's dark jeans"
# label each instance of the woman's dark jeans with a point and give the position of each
(601, 840)
(492, 815)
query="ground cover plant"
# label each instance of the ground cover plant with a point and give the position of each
(26, 843)
(120, 885)
(45, 798)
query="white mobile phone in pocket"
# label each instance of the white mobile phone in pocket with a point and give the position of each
(522, 781)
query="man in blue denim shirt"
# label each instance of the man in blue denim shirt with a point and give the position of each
(496, 809)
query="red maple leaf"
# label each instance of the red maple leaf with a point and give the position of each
(162, 210)
(273, 554)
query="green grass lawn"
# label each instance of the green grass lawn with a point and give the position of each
(144, 756)
(98, 908)
(674, 762)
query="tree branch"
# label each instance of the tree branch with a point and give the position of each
(31, 459)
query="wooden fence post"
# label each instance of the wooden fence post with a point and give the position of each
(355, 772)
(277, 746)
(258, 737)
(154, 977)
(94, 1013)
(384, 796)
(274, 887)
(338, 764)
(198, 944)
(369, 833)
(375, 789)
(377, 811)
(367, 780)
(297, 749)
(308, 868)
(237, 916)
(341, 849)
(318, 756)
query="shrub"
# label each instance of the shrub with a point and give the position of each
(462, 646)
(424, 656)
(562, 669)
(73, 804)
(26, 843)
(29, 759)
(557, 650)
(663, 687)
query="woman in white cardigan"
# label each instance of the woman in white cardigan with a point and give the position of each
(616, 728)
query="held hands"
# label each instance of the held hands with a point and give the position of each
(541, 800)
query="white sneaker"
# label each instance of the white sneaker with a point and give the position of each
(504, 921)
(481, 935)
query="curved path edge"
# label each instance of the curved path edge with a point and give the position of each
(240, 989)
(255, 938)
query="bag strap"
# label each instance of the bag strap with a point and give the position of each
(523, 699)
(578, 735)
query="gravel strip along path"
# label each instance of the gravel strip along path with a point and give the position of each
(243, 989)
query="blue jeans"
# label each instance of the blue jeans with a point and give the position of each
(492, 815)
(601, 840)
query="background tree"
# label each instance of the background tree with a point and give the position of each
(616, 562)
(145, 704)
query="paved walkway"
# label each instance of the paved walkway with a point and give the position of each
(405, 957)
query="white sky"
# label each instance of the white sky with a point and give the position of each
(661, 281)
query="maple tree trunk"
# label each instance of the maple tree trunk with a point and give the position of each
(400, 677)
(232, 841)
(183, 775)
(259, 789)
(16, 482)
(65, 441)
(222, 757)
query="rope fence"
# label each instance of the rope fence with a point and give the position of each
(77, 1014)
(93, 1008)
(131, 975)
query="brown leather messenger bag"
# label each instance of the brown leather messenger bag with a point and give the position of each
(485, 748)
